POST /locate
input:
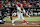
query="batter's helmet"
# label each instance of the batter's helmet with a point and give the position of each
(19, 4)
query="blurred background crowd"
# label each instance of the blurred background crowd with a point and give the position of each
(34, 5)
(26, 3)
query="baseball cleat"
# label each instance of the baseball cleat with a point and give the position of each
(26, 22)
(12, 21)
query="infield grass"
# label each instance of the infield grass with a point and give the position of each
(26, 18)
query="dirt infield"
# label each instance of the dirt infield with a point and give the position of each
(21, 24)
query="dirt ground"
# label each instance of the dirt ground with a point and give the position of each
(21, 24)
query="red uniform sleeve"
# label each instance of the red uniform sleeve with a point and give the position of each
(0, 5)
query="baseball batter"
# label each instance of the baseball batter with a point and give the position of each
(20, 13)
